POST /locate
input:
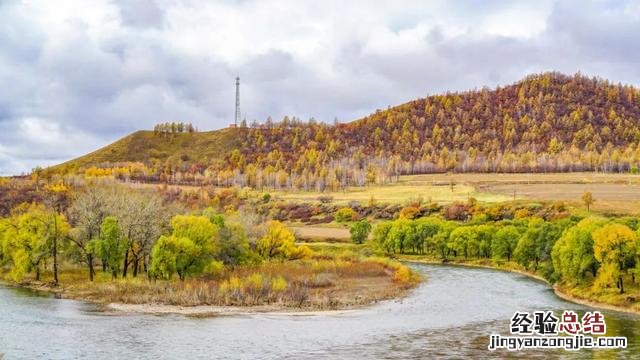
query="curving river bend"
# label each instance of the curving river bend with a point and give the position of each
(449, 316)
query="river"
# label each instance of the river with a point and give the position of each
(451, 315)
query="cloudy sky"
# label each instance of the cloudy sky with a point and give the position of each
(76, 75)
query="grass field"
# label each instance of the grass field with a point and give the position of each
(324, 234)
(614, 193)
(484, 178)
(398, 193)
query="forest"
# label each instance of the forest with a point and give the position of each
(547, 122)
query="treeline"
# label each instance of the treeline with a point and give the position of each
(597, 251)
(174, 128)
(126, 232)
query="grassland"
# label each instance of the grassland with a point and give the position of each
(398, 193)
(146, 146)
(614, 193)
(321, 233)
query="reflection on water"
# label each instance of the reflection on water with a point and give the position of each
(450, 316)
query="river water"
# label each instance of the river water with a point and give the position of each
(449, 316)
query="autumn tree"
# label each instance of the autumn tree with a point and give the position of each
(29, 236)
(587, 199)
(614, 246)
(279, 242)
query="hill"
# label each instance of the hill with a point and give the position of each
(151, 148)
(546, 122)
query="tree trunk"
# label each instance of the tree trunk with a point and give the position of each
(90, 265)
(621, 284)
(126, 264)
(55, 258)
(38, 273)
(135, 266)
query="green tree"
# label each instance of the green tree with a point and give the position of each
(464, 240)
(572, 254)
(400, 234)
(380, 238)
(28, 237)
(441, 238)
(111, 245)
(505, 242)
(189, 250)
(426, 230)
(360, 231)
(485, 237)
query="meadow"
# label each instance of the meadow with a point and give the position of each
(615, 193)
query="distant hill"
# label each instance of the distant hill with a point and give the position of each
(546, 122)
(151, 148)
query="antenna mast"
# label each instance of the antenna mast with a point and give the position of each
(237, 120)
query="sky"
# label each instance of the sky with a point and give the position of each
(77, 75)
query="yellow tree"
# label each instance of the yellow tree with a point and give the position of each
(279, 242)
(614, 245)
(587, 199)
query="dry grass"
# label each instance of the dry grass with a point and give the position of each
(321, 234)
(481, 178)
(330, 280)
(399, 193)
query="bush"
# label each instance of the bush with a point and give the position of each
(409, 212)
(325, 199)
(402, 275)
(278, 284)
(345, 215)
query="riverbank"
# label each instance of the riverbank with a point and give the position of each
(283, 287)
(560, 291)
(211, 310)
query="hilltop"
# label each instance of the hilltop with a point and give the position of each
(545, 122)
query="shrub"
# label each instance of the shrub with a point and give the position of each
(278, 284)
(521, 213)
(402, 275)
(409, 212)
(325, 199)
(346, 214)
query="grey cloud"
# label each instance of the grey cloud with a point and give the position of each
(141, 13)
(84, 88)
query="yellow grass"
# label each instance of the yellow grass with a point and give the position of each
(614, 193)
(398, 193)
(317, 233)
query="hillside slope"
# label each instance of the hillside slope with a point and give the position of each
(546, 122)
(149, 147)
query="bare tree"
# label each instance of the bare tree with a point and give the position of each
(87, 211)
